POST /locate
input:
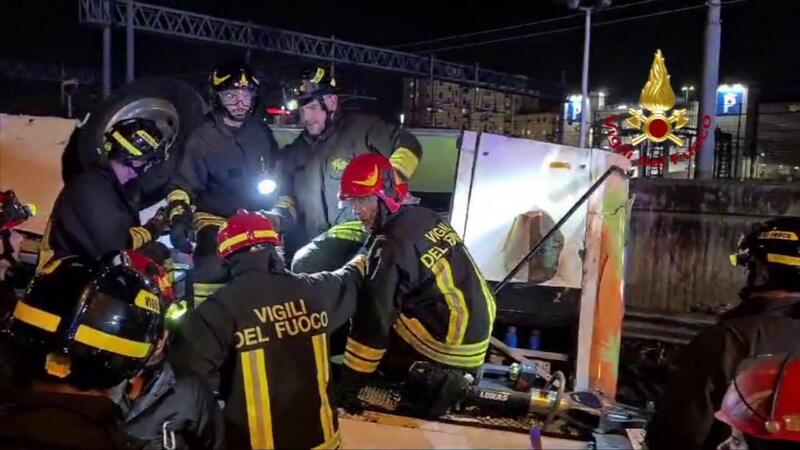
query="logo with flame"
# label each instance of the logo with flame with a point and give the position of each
(657, 98)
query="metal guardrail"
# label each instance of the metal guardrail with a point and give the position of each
(184, 24)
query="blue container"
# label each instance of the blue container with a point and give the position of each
(511, 337)
(535, 341)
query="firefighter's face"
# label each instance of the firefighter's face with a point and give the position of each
(237, 102)
(314, 117)
(366, 209)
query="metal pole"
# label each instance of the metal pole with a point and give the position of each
(129, 49)
(107, 50)
(738, 130)
(432, 90)
(587, 36)
(562, 118)
(708, 105)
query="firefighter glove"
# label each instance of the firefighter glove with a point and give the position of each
(179, 235)
(158, 224)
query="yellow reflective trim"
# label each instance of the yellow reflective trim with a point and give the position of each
(139, 236)
(147, 138)
(239, 238)
(459, 314)
(404, 161)
(218, 80)
(178, 195)
(358, 364)
(734, 259)
(352, 225)
(39, 318)
(256, 392)
(783, 259)
(206, 289)
(777, 234)
(202, 220)
(371, 180)
(149, 301)
(318, 75)
(424, 347)
(110, 343)
(491, 303)
(333, 443)
(126, 144)
(46, 252)
(348, 236)
(286, 201)
(418, 329)
(320, 344)
(364, 351)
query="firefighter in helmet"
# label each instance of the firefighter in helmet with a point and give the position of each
(81, 329)
(228, 164)
(766, 321)
(315, 161)
(262, 341)
(12, 214)
(94, 214)
(427, 299)
(762, 405)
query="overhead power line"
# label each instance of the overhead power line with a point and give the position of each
(579, 27)
(514, 27)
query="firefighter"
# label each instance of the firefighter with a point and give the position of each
(766, 321)
(426, 299)
(316, 159)
(12, 214)
(228, 164)
(94, 215)
(261, 341)
(762, 405)
(81, 329)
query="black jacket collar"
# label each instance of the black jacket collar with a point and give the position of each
(262, 260)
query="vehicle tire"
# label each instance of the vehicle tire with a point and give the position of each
(175, 106)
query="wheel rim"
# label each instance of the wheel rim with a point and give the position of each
(162, 112)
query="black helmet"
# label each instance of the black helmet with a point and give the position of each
(87, 324)
(135, 140)
(314, 85)
(233, 75)
(771, 253)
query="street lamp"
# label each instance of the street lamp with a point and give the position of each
(686, 90)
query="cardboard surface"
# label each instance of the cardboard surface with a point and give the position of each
(30, 161)
(387, 431)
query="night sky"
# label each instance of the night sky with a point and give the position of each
(758, 47)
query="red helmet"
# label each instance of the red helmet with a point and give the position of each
(371, 174)
(245, 229)
(764, 399)
(161, 274)
(12, 212)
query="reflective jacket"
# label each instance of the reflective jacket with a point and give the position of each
(262, 343)
(422, 288)
(315, 164)
(222, 166)
(92, 216)
(685, 415)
